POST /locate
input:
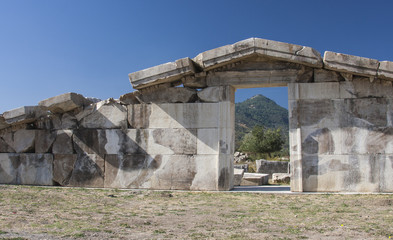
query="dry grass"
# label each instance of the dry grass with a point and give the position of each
(69, 213)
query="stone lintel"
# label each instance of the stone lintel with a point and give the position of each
(385, 70)
(167, 72)
(64, 102)
(255, 46)
(24, 114)
(351, 64)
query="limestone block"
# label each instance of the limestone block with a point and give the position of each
(35, 169)
(187, 115)
(68, 121)
(9, 163)
(25, 114)
(270, 167)
(44, 140)
(385, 70)
(361, 87)
(295, 141)
(168, 95)
(172, 141)
(64, 102)
(88, 171)
(139, 115)
(167, 72)
(130, 171)
(206, 177)
(100, 142)
(238, 176)
(136, 141)
(366, 112)
(225, 172)
(63, 165)
(323, 75)
(130, 98)
(386, 169)
(323, 90)
(281, 178)
(216, 94)
(321, 141)
(350, 64)
(3, 123)
(255, 46)
(208, 141)
(63, 143)
(390, 113)
(296, 173)
(104, 114)
(21, 141)
(195, 81)
(5, 147)
(175, 172)
(258, 179)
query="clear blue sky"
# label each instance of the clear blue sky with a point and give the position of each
(89, 46)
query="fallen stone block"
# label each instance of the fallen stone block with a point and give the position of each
(270, 167)
(238, 176)
(351, 64)
(9, 163)
(25, 114)
(3, 123)
(63, 143)
(44, 140)
(64, 102)
(130, 98)
(103, 115)
(167, 72)
(35, 169)
(252, 179)
(281, 178)
(5, 147)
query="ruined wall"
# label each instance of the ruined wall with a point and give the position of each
(69, 141)
(341, 134)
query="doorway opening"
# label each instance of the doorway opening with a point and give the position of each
(261, 137)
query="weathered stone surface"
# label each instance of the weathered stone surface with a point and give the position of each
(214, 94)
(21, 141)
(64, 102)
(323, 75)
(63, 165)
(281, 178)
(5, 147)
(361, 87)
(256, 46)
(139, 115)
(196, 81)
(172, 141)
(3, 123)
(270, 167)
(238, 176)
(25, 114)
(385, 70)
(167, 72)
(318, 91)
(63, 143)
(366, 112)
(258, 179)
(9, 163)
(35, 169)
(130, 171)
(104, 114)
(385, 172)
(225, 172)
(88, 171)
(350, 64)
(168, 95)
(44, 140)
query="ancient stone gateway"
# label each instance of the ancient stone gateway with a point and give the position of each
(177, 130)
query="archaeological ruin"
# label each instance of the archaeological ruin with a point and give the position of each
(176, 131)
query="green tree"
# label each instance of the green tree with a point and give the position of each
(261, 140)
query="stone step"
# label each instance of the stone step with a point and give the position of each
(252, 179)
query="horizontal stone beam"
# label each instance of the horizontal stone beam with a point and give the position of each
(256, 46)
(167, 72)
(385, 70)
(64, 102)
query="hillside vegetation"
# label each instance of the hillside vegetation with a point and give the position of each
(260, 110)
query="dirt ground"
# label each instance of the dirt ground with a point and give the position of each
(76, 213)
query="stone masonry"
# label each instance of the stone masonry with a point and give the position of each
(176, 131)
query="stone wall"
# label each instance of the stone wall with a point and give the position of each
(270, 167)
(342, 136)
(114, 144)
